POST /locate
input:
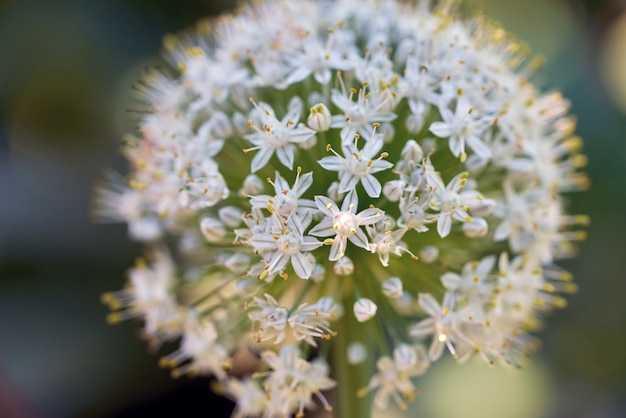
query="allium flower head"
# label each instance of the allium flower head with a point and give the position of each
(294, 164)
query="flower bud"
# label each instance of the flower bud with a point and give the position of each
(343, 267)
(477, 228)
(392, 288)
(357, 353)
(253, 185)
(319, 272)
(429, 254)
(364, 309)
(404, 356)
(319, 119)
(231, 216)
(393, 190)
(333, 192)
(221, 125)
(414, 123)
(412, 151)
(212, 229)
(238, 263)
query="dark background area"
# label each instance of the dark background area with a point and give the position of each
(66, 68)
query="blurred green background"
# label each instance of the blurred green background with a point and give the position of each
(66, 67)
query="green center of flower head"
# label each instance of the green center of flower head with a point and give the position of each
(378, 158)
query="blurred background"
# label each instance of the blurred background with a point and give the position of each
(66, 67)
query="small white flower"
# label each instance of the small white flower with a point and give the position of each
(270, 320)
(359, 165)
(364, 309)
(287, 200)
(276, 136)
(461, 127)
(393, 378)
(310, 321)
(358, 116)
(344, 224)
(285, 242)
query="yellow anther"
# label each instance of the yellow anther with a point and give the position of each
(137, 185)
(195, 51)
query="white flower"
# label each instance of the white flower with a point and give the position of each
(358, 116)
(294, 380)
(394, 376)
(251, 399)
(359, 165)
(199, 345)
(310, 321)
(344, 224)
(317, 59)
(461, 127)
(276, 136)
(449, 202)
(271, 319)
(440, 325)
(287, 200)
(386, 240)
(364, 309)
(285, 242)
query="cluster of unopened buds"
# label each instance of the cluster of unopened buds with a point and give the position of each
(355, 183)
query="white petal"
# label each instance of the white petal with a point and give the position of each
(444, 224)
(479, 147)
(260, 159)
(332, 163)
(371, 185)
(338, 249)
(429, 304)
(301, 266)
(441, 129)
(359, 239)
(457, 145)
(323, 229)
(285, 156)
(326, 205)
(351, 199)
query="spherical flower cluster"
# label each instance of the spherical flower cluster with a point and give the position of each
(348, 183)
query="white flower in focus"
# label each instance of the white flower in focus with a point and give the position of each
(276, 136)
(344, 224)
(359, 166)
